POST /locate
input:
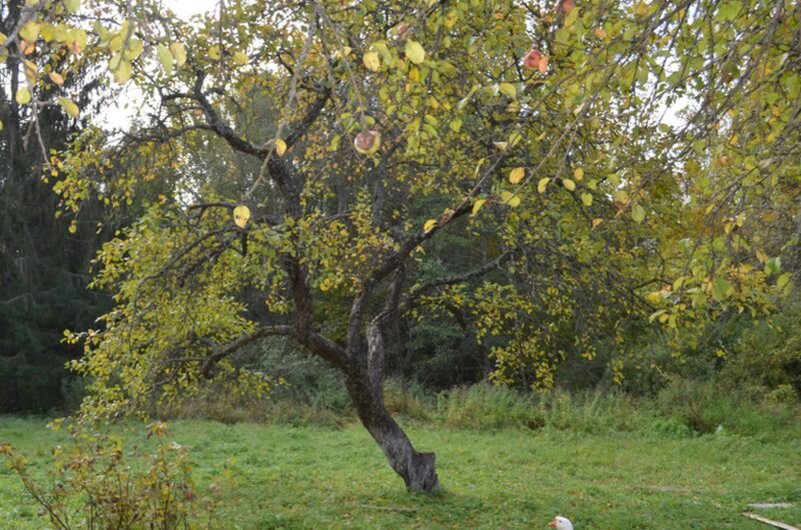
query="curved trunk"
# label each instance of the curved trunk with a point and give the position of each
(365, 386)
(417, 469)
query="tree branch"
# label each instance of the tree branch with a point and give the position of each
(221, 353)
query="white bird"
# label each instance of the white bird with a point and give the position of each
(561, 523)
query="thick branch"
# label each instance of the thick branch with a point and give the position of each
(409, 300)
(221, 353)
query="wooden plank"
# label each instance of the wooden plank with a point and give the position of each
(775, 524)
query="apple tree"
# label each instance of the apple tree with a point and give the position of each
(610, 161)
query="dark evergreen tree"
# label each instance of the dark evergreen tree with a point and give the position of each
(44, 269)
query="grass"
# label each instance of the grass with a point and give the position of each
(313, 477)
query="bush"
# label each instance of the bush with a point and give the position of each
(96, 484)
(768, 353)
(703, 406)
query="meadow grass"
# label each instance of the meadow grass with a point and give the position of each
(317, 477)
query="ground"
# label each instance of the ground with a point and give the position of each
(313, 477)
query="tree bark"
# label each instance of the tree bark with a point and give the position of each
(364, 382)
(418, 470)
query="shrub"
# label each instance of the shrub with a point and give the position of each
(96, 484)
(768, 354)
(703, 406)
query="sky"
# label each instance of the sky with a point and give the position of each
(186, 8)
(117, 116)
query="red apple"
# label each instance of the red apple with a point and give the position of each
(367, 142)
(563, 7)
(532, 60)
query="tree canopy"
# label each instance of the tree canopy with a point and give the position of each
(321, 170)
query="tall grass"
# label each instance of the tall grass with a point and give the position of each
(493, 407)
(683, 408)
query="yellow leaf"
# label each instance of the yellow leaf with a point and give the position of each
(637, 213)
(30, 71)
(166, 58)
(214, 52)
(508, 89)
(240, 59)
(56, 78)
(23, 96)
(30, 31)
(371, 61)
(72, 5)
(501, 145)
(241, 215)
(512, 199)
(517, 175)
(415, 52)
(120, 68)
(586, 198)
(542, 184)
(596, 222)
(179, 52)
(543, 65)
(477, 205)
(70, 107)
(568, 184)
(280, 147)
(578, 174)
(429, 225)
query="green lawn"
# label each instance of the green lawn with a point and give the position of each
(325, 478)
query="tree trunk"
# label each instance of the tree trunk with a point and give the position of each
(417, 469)
(365, 387)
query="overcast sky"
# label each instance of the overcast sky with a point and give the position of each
(117, 116)
(187, 8)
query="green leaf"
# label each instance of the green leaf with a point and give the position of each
(773, 265)
(166, 58)
(784, 279)
(512, 199)
(371, 61)
(70, 107)
(569, 184)
(571, 17)
(721, 289)
(508, 89)
(414, 51)
(586, 198)
(30, 31)
(637, 213)
(72, 5)
(241, 215)
(381, 47)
